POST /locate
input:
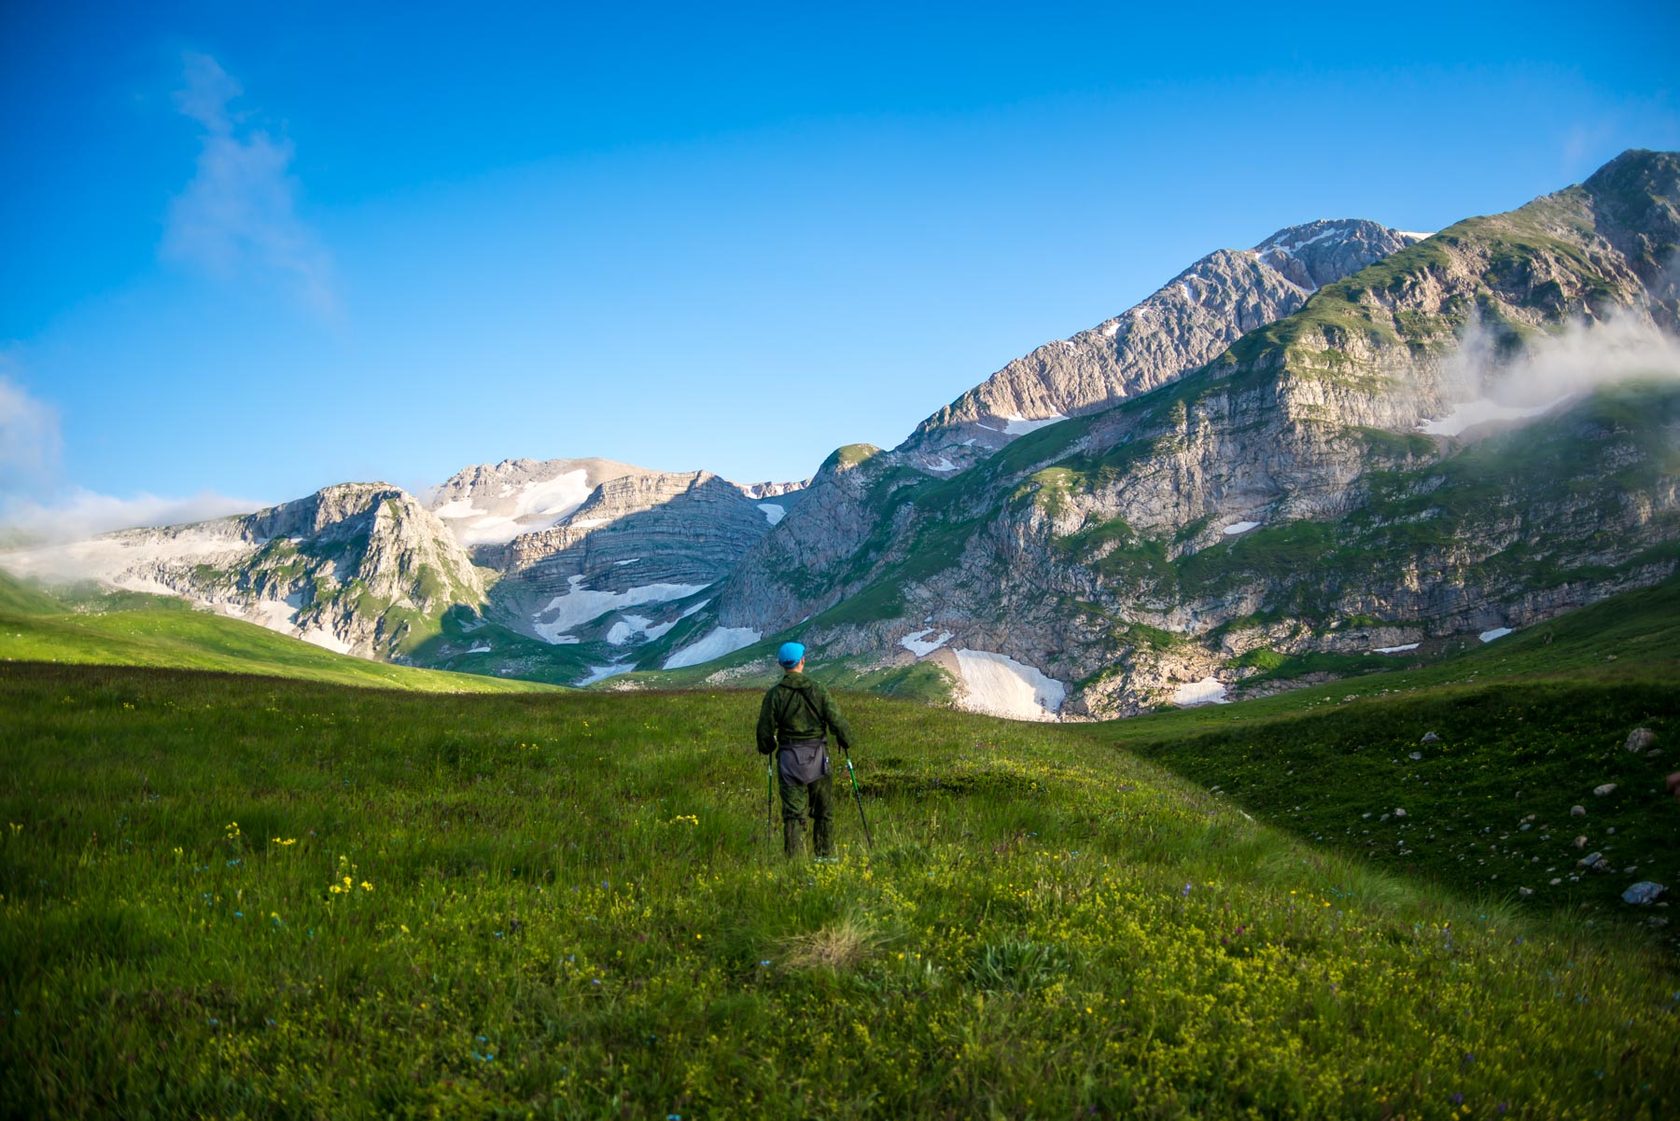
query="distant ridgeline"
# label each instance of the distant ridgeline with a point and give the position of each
(1345, 445)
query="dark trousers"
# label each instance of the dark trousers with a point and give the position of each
(801, 800)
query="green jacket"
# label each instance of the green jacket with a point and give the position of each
(797, 708)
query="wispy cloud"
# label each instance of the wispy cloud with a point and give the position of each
(79, 514)
(29, 437)
(35, 503)
(1481, 386)
(238, 216)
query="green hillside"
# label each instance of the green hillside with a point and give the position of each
(89, 627)
(223, 895)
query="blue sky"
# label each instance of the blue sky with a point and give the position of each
(251, 250)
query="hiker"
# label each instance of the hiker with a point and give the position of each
(792, 723)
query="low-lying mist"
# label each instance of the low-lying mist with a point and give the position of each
(1483, 385)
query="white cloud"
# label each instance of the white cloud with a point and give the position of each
(34, 502)
(1582, 356)
(81, 513)
(1481, 386)
(29, 438)
(239, 213)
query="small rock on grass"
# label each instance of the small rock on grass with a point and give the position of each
(1577, 811)
(1640, 739)
(1604, 789)
(1430, 737)
(1644, 892)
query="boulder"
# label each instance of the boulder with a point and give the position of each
(1643, 893)
(1604, 789)
(1640, 739)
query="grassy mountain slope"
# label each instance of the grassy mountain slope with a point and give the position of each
(223, 894)
(132, 629)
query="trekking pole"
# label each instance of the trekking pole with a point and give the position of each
(858, 795)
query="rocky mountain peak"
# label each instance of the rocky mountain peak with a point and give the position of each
(1185, 323)
(1318, 253)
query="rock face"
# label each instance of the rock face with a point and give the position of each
(821, 555)
(1188, 321)
(652, 538)
(1330, 483)
(487, 505)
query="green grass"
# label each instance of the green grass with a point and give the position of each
(141, 630)
(570, 910)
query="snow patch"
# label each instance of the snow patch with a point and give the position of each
(1020, 426)
(1295, 246)
(942, 464)
(1207, 691)
(1496, 632)
(722, 640)
(1111, 329)
(479, 649)
(1395, 649)
(1482, 410)
(580, 605)
(273, 614)
(535, 507)
(1240, 527)
(622, 563)
(324, 638)
(637, 627)
(1419, 234)
(1001, 686)
(601, 673)
(773, 512)
(919, 644)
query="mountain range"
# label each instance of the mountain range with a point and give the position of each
(1346, 446)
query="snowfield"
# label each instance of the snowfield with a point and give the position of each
(1207, 691)
(1020, 426)
(1240, 527)
(1000, 686)
(637, 626)
(919, 645)
(1496, 632)
(773, 512)
(722, 640)
(601, 673)
(581, 605)
(535, 507)
(1484, 410)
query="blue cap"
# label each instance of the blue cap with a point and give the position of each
(791, 654)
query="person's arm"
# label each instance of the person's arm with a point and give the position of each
(831, 716)
(766, 726)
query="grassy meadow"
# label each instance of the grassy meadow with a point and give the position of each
(87, 626)
(243, 896)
